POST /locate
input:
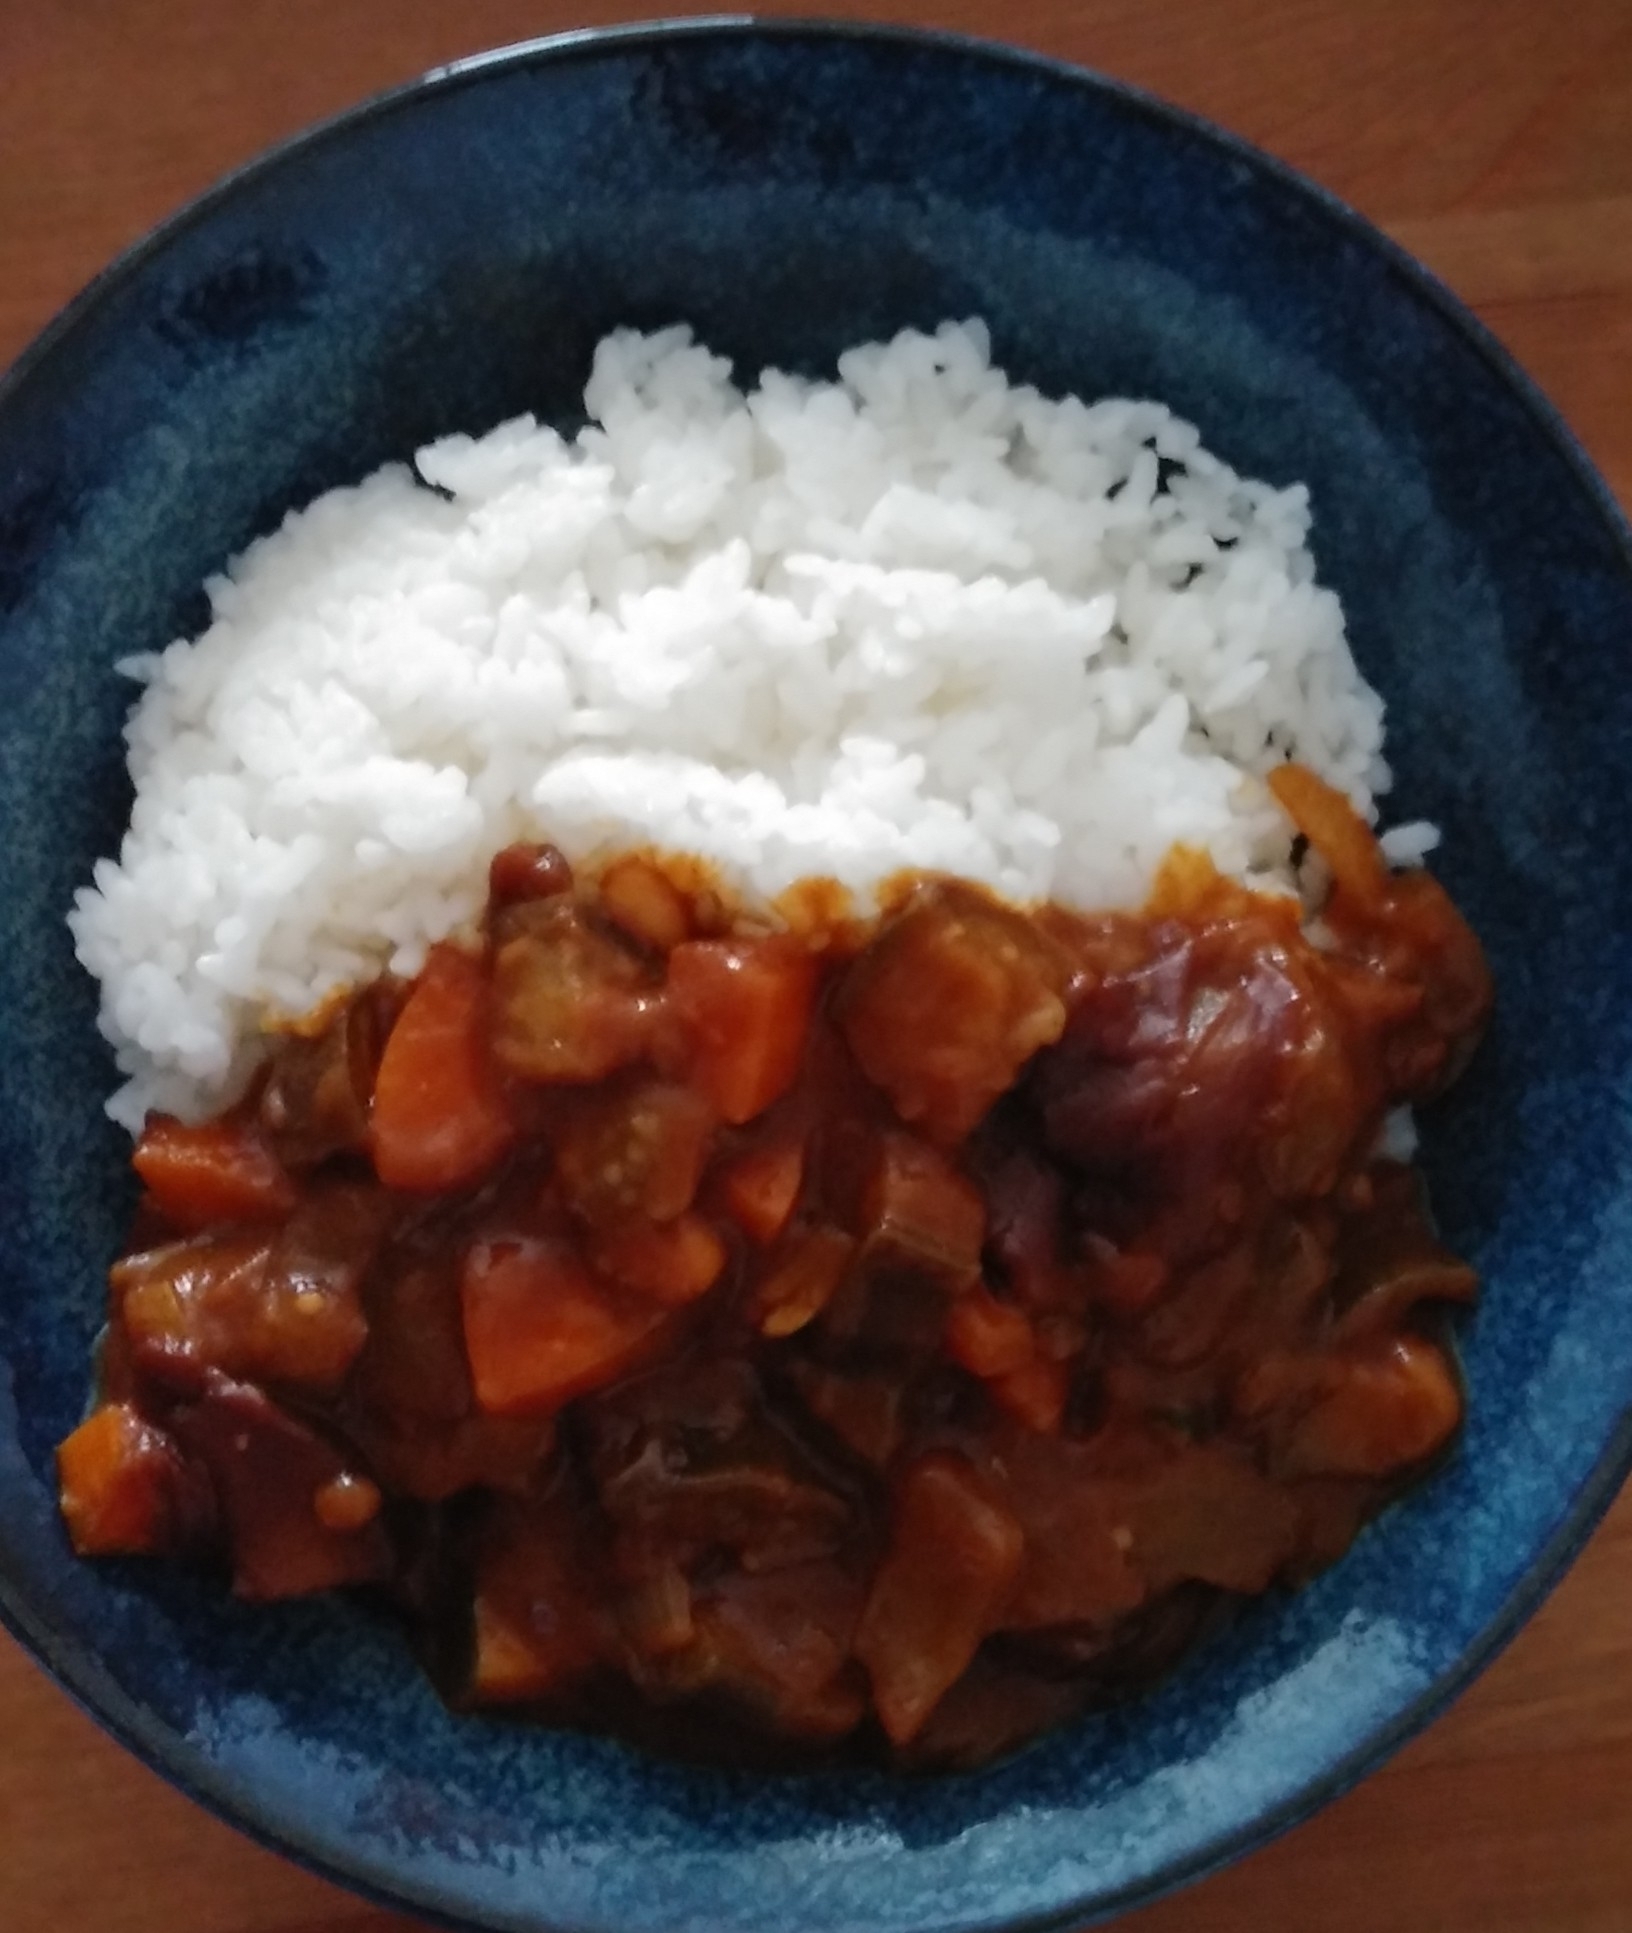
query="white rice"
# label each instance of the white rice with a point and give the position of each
(916, 617)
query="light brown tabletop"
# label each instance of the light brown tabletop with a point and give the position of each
(1494, 138)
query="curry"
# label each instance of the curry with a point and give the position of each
(880, 1339)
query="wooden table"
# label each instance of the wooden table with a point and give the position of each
(1494, 138)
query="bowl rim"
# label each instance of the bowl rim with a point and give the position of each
(76, 1670)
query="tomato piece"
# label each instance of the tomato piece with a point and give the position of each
(118, 1476)
(954, 1555)
(747, 1006)
(672, 1262)
(760, 1189)
(220, 1171)
(439, 1115)
(539, 1329)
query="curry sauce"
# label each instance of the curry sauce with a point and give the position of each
(875, 1339)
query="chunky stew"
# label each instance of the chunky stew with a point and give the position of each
(833, 1340)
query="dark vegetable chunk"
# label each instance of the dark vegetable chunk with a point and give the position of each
(954, 1554)
(320, 1086)
(536, 1629)
(921, 1215)
(270, 1473)
(949, 1003)
(864, 1409)
(415, 1414)
(283, 1307)
(687, 1461)
(633, 1152)
(571, 1001)
(778, 1648)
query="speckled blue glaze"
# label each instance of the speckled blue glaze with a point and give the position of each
(448, 256)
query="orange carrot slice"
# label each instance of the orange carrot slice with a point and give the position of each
(747, 1005)
(220, 1171)
(439, 1116)
(539, 1328)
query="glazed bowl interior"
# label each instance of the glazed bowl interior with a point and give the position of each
(448, 258)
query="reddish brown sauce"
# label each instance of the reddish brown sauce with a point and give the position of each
(879, 1342)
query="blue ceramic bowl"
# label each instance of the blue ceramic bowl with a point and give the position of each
(446, 257)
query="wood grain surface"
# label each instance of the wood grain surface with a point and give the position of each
(1494, 138)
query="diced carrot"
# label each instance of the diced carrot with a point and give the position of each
(747, 1005)
(802, 1282)
(439, 1114)
(1035, 1394)
(1335, 830)
(954, 1556)
(117, 1474)
(672, 1262)
(539, 1329)
(220, 1171)
(638, 897)
(989, 1338)
(761, 1188)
